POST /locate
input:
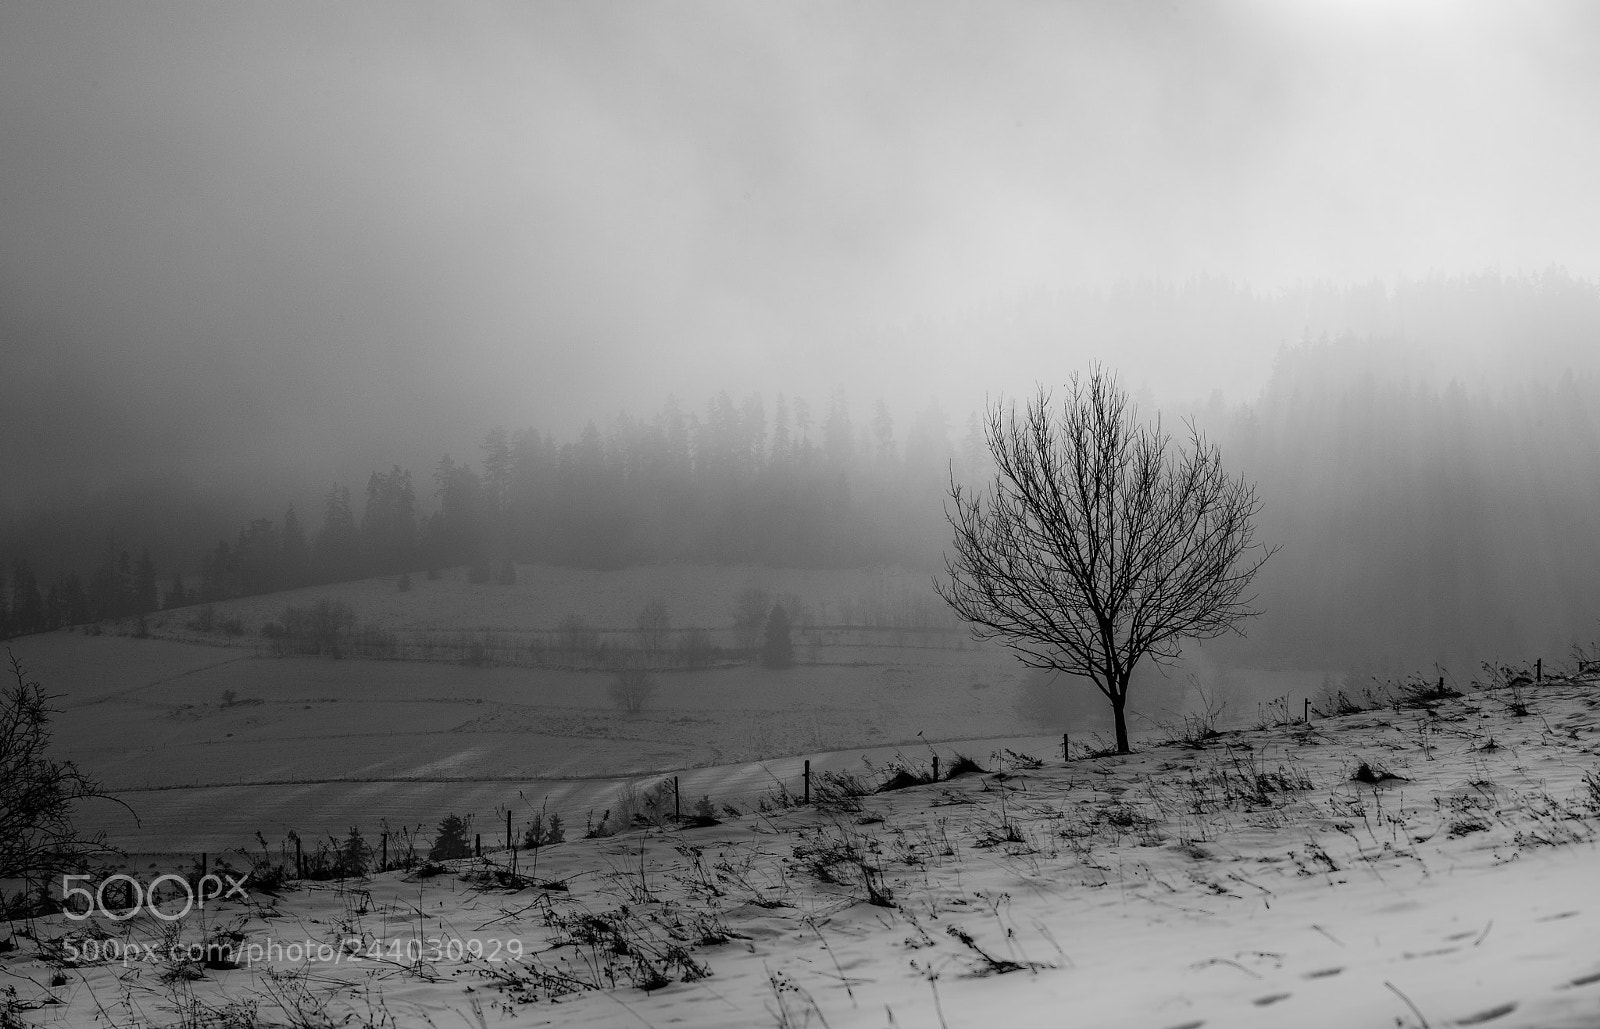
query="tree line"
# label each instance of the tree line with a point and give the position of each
(731, 484)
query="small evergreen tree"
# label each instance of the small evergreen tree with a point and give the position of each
(453, 840)
(353, 853)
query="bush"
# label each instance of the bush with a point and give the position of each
(323, 628)
(37, 837)
(631, 689)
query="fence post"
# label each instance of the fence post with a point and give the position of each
(1538, 670)
(299, 860)
(508, 828)
(1066, 752)
(808, 780)
(1307, 718)
(936, 768)
(384, 866)
(677, 803)
(203, 863)
(477, 844)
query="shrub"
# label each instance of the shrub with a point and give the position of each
(839, 791)
(631, 689)
(902, 778)
(323, 628)
(37, 792)
(964, 765)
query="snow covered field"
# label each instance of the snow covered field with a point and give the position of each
(1269, 877)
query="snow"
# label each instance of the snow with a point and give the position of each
(1247, 882)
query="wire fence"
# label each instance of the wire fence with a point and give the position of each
(526, 815)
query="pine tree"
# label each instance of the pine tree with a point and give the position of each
(338, 544)
(296, 551)
(144, 584)
(176, 597)
(27, 604)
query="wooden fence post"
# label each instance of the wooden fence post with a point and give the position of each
(299, 860)
(384, 865)
(1066, 752)
(1538, 670)
(1307, 716)
(936, 768)
(677, 802)
(477, 844)
(808, 780)
(508, 828)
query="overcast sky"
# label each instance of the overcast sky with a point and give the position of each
(239, 232)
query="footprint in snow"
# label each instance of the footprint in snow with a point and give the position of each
(1322, 973)
(1552, 918)
(1488, 1015)
(1271, 998)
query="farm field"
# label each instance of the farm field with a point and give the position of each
(210, 739)
(1430, 863)
(210, 745)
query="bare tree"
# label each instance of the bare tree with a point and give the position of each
(1100, 543)
(37, 793)
(631, 689)
(750, 609)
(654, 624)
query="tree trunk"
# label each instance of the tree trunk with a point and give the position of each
(1119, 711)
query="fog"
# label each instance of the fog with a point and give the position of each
(249, 251)
(312, 239)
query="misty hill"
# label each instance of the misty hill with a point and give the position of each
(1434, 496)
